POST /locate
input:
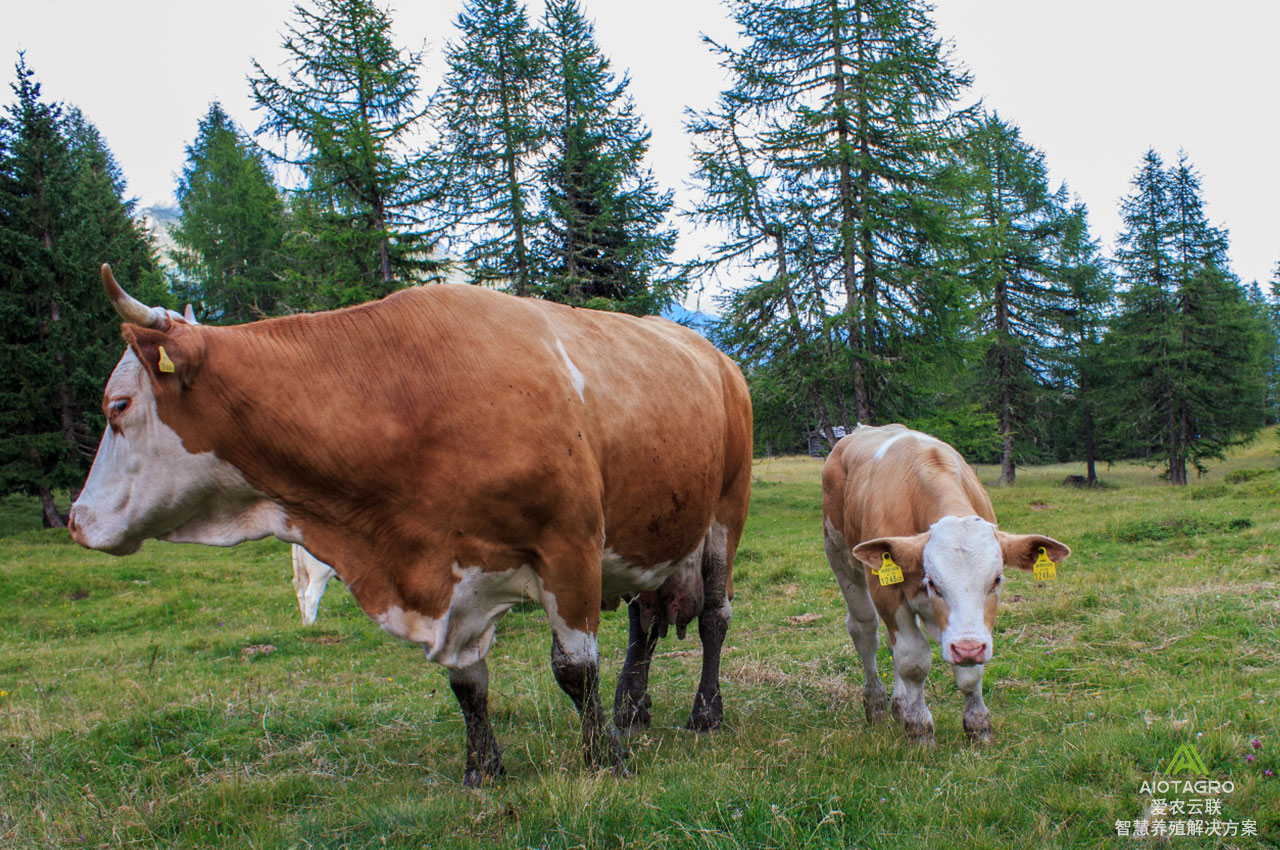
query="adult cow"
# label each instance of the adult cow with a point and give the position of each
(893, 498)
(448, 451)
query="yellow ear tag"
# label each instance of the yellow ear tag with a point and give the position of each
(166, 365)
(889, 572)
(1044, 569)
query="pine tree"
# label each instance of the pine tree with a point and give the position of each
(1187, 348)
(229, 241)
(1090, 295)
(63, 215)
(605, 241)
(491, 114)
(850, 105)
(346, 112)
(1016, 222)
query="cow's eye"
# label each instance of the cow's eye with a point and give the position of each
(930, 586)
(995, 584)
(119, 405)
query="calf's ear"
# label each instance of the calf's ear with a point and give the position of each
(907, 552)
(1022, 550)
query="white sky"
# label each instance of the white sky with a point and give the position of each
(1092, 83)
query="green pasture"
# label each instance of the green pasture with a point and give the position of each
(139, 708)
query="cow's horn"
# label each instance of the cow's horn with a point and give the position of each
(130, 308)
(189, 314)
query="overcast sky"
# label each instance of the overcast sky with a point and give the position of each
(1092, 83)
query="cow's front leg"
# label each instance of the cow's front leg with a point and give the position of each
(471, 686)
(575, 661)
(977, 720)
(911, 657)
(631, 701)
(861, 623)
(713, 625)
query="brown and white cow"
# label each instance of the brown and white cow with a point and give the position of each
(896, 492)
(448, 451)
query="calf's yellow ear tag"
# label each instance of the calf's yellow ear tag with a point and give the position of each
(166, 365)
(1044, 569)
(889, 572)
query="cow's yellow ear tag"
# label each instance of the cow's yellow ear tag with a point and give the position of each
(889, 572)
(166, 365)
(1044, 569)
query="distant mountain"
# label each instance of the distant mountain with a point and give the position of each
(158, 220)
(692, 319)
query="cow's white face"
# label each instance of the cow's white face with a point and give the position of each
(964, 568)
(145, 484)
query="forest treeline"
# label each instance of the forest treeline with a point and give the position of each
(889, 250)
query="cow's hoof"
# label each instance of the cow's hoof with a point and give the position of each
(920, 734)
(876, 706)
(706, 714)
(898, 708)
(633, 719)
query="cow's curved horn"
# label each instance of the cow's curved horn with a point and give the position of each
(130, 308)
(189, 314)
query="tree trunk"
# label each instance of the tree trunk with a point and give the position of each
(513, 182)
(53, 518)
(857, 341)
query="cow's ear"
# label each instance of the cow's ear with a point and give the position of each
(171, 355)
(907, 552)
(1022, 550)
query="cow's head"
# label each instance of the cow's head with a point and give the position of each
(145, 482)
(962, 560)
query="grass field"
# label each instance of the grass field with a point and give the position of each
(135, 711)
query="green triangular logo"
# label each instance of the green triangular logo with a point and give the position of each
(1187, 760)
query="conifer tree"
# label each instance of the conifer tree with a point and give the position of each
(1187, 348)
(63, 215)
(851, 104)
(491, 114)
(345, 112)
(229, 240)
(1022, 302)
(605, 240)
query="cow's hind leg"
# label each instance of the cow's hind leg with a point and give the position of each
(631, 701)
(861, 623)
(713, 625)
(911, 657)
(977, 720)
(471, 686)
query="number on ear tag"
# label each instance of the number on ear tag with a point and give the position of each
(166, 365)
(889, 572)
(1044, 569)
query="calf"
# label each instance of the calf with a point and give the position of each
(910, 535)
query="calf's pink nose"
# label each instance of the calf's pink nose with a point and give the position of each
(968, 652)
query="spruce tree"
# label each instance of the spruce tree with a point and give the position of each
(63, 215)
(605, 241)
(1186, 349)
(490, 110)
(1022, 302)
(229, 240)
(346, 114)
(851, 103)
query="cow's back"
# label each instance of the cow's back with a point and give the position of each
(891, 481)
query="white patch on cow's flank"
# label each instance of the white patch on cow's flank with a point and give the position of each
(463, 635)
(579, 382)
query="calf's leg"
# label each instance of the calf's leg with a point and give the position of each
(576, 665)
(471, 686)
(861, 623)
(911, 657)
(977, 720)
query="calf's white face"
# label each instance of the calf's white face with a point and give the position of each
(962, 559)
(964, 568)
(145, 484)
